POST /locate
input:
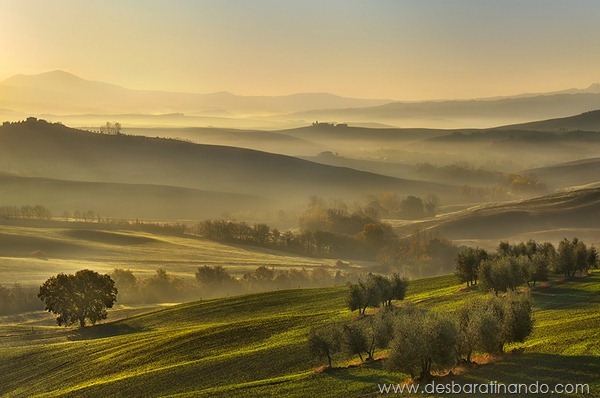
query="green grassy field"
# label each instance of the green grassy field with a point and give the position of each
(255, 345)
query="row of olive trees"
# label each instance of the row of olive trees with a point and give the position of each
(514, 265)
(376, 290)
(425, 342)
(421, 342)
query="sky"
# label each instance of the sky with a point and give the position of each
(391, 49)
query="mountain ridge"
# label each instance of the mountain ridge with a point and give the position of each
(59, 81)
(62, 93)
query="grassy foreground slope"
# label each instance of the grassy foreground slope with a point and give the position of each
(254, 345)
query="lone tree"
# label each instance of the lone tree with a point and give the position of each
(75, 298)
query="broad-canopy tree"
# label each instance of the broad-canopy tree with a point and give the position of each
(80, 297)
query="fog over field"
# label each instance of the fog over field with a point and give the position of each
(304, 199)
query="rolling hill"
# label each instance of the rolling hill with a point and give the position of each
(122, 200)
(36, 148)
(525, 148)
(255, 346)
(571, 174)
(33, 251)
(588, 121)
(267, 141)
(551, 217)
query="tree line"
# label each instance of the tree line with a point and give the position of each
(85, 296)
(28, 212)
(309, 243)
(162, 286)
(325, 231)
(513, 265)
(216, 281)
(332, 232)
(17, 298)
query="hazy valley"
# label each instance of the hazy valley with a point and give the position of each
(250, 218)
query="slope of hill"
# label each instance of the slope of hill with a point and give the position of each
(122, 200)
(255, 345)
(51, 150)
(529, 148)
(463, 113)
(552, 217)
(570, 174)
(378, 135)
(588, 121)
(267, 141)
(384, 168)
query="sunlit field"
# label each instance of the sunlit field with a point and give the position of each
(255, 345)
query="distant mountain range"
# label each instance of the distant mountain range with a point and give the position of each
(466, 113)
(59, 95)
(59, 92)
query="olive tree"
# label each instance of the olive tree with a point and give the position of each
(324, 342)
(467, 264)
(423, 342)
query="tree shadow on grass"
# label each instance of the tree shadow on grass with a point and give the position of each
(536, 368)
(104, 330)
(510, 369)
(563, 298)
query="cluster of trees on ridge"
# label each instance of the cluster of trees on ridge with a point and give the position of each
(421, 341)
(334, 232)
(392, 205)
(530, 262)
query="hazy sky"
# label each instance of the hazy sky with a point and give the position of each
(407, 50)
